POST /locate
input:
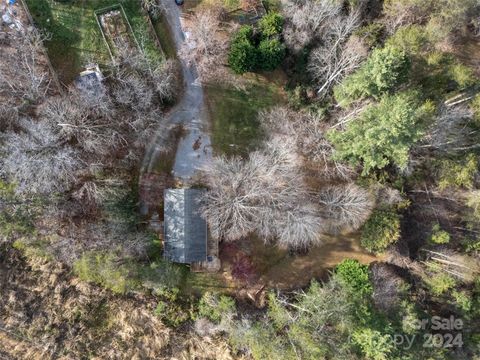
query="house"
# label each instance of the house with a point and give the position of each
(185, 231)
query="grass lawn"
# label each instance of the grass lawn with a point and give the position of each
(233, 112)
(165, 37)
(75, 35)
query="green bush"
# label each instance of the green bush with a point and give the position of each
(246, 54)
(462, 75)
(160, 275)
(371, 33)
(475, 106)
(242, 56)
(16, 220)
(277, 312)
(270, 54)
(380, 231)
(385, 69)
(462, 300)
(215, 307)
(439, 236)
(458, 174)
(440, 283)
(271, 24)
(473, 202)
(170, 309)
(107, 270)
(411, 39)
(373, 344)
(354, 276)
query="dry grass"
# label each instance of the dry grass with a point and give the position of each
(47, 314)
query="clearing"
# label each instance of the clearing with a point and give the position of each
(233, 113)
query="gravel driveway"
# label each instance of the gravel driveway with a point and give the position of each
(194, 149)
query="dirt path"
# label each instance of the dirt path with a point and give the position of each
(194, 148)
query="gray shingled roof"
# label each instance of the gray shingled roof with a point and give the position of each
(185, 231)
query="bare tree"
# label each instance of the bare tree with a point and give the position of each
(139, 80)
(460, 266)
(97, 192)
(307, 20)
(23, 73)
(399, 13)
(154, 7)
(451, 131)
(206, 44)
(263, 194)
(444, 17)
(8, 116)
(71, 118)
(133, 90)
(164, 79)
(37, 160)
(304, 133)
(345, 207)
(338, 55)
(299, 226)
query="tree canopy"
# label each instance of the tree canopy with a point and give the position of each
(385, 69)
(383, 133)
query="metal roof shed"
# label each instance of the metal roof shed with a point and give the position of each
(185, 231)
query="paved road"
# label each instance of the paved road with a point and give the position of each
(194, 149)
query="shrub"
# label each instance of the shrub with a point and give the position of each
(15, 221)
(462, 300)
(473, 201)
(440, 283)
(354, 276)
(385, 69)
(271, 24)
(277, 313)
(439, 236)
(214, 307)
(160, 275)
(458, 174)
(475, 106)
(242, 56)
(122, 274)
(373, 343)
(462, 75)
(371, 33)
(411, 39)
(270, 54)
(107, 270)
(244, 33)
(380, 231)
(170, 309)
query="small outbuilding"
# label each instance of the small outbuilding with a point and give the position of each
(90, 81)
(185, 231)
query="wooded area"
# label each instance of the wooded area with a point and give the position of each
(347, 128)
